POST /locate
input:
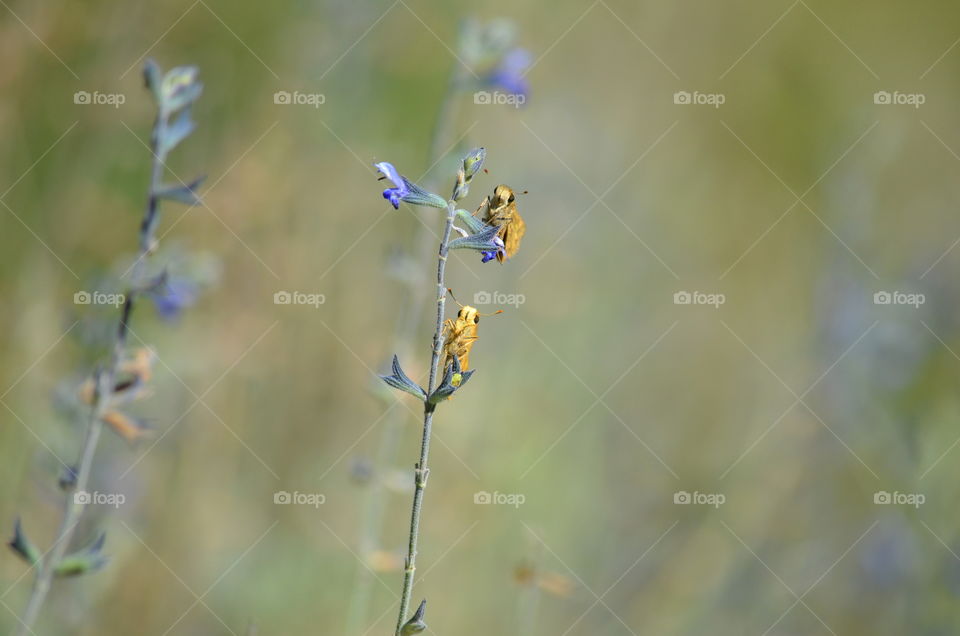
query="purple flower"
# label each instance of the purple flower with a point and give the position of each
(492, 254)
(404, 190)
(173, 297)
(509, 73)
(396, 194)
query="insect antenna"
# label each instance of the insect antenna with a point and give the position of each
(450, 291)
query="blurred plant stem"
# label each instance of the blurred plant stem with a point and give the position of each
(405, 333)
(422, 471)
(528, 604)
(528, 600)
(105, 381)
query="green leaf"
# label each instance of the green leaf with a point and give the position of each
(88, 559)
(481, 241)
(415, 625)
(418, 196)
(473, 223)
(22, 546)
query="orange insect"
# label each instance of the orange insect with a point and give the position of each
(130, 385)
(460, 334)
(501, 210)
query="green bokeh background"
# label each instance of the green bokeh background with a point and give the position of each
(597, 399)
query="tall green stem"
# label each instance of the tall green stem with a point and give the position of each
(421, 470)
(412, 307)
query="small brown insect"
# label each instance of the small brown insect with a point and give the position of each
(501, 210)
(130, 384)
(460, 334)
(131, 429)
(553, 583)
(132, 376)
(385, 561)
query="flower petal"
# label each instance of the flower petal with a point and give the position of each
(387, 170)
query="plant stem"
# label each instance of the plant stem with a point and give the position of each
(105, 381)
(371, 526)
(421, 471)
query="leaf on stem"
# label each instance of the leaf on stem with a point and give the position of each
(186, 194)
(22, 546)
(453, 379)
(415, 625)
(88, 559)
(482, 241)
(400, 381)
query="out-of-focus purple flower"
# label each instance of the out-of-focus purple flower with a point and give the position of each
(509, 73)
(173, 296)
(393, 195)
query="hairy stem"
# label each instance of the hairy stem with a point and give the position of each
(105, 381)
(421, 470)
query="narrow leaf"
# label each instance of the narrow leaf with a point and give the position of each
(176, 132)
(473, 223)
(186, 194)
(152, 77)
(22, 546)
(399, 380)
(481, 241)
(415, 625)
(88, 559)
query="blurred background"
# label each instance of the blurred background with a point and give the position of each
(722, 394)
